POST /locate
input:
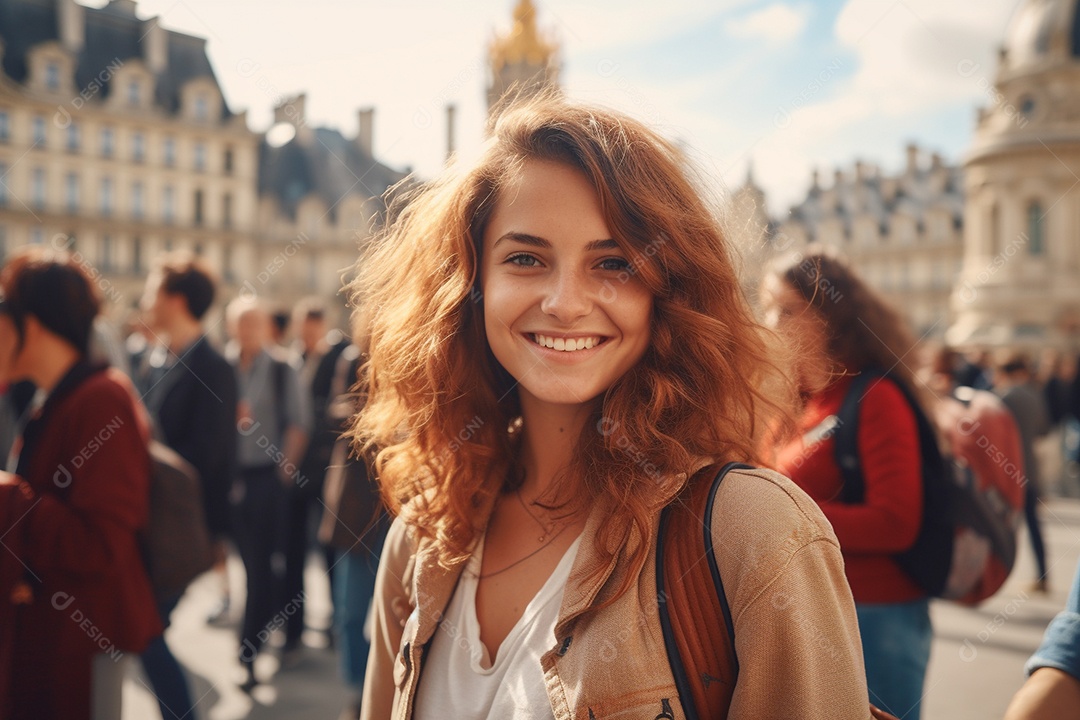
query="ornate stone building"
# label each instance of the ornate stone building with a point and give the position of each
(116, 142)
(1020, 283)
(901, 232)
(522, 61)
(320, 196)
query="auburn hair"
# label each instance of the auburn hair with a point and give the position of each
(442, 418)
(863, 331)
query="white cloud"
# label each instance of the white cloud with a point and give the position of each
(775, 24)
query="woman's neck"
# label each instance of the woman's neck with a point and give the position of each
(550, 434)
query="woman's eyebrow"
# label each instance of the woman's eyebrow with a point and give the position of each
(535, 241)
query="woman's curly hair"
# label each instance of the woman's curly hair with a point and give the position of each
(442, 414)
(862, 330)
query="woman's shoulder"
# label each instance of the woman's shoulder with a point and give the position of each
(761, 522)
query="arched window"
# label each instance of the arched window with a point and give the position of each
(1036, 239)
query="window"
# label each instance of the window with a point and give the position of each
(202, 107)
(37, 188)
(200, 156)
(71, 192)
(137, 200)
(3, 185)
(72, 138)
(198, 205)
(107, 142)
(168, 205)
(136, 256)
(106, 253)
(138, 147)
(52, 76)
(226, 211)
(5, 126)
(106, 197)
(37, 236)
(3, 243)
(167, 245)
(227, 161)
(134, 93)
(39, 131)
(313, 273)
(170, 152)
(1036, 239)
(226, 263)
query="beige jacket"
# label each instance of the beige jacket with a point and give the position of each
(797, 639)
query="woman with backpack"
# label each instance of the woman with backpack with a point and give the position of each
(559, 349)
(847, 339)
(76, 600)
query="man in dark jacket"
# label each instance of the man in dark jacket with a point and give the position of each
(190, 391)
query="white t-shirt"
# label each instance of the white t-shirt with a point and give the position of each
(459, 680)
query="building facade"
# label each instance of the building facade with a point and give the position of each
(321, 195)
(117, 144)
(902, 233)
(1020, 282)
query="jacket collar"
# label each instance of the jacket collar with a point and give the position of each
(434, 584)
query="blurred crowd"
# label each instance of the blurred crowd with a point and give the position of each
(259, 421)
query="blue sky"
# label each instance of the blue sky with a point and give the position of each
(788, 85)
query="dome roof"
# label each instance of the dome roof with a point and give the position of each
(1042, 31)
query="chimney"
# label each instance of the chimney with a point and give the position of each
(935, 161)
(860, 171)
(125, 7)
(291, 110)
(838, 177)
(815, 180)
(912, 158)
(155, 46)
(450, 113)
(71, 19)
(365, 132)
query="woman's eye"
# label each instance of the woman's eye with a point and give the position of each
(615, 264)
(522, 260)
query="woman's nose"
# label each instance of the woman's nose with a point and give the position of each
(567, 297)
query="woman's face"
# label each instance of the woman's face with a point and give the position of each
(792, 316)
(9, 344)
(562, 311)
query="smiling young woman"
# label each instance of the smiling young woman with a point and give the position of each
(558, 345)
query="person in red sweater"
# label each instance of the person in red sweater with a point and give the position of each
(75, 599)
(840, 327)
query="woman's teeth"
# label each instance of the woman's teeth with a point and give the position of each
(566, 344)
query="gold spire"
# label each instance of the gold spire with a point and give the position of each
(523, 43)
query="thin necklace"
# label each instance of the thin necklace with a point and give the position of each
(518, 562)
(536, 519)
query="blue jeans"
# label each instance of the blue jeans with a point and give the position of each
(896, 649)
(165, 674)
(354, 587)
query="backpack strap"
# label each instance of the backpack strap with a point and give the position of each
(692, 674)
(846, 449)
(278, 370)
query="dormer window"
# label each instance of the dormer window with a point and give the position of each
(202, 107)
(52, 76)
(134, 93)
(200, 157)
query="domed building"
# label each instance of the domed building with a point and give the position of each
(1020, 280)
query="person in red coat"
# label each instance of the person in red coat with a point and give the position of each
(839, 327)
(74, 592)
